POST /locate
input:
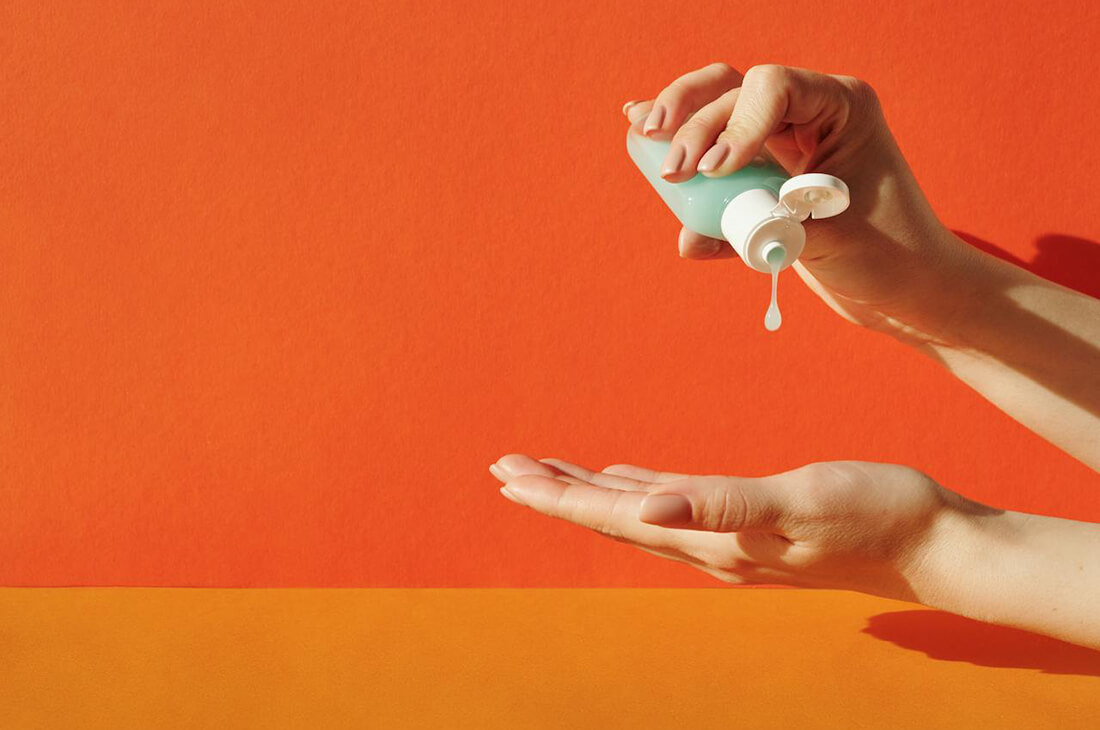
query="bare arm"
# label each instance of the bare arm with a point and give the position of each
(1031, 347)
(1028, 571)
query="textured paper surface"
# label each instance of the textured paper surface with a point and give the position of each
(279, 280)
(378, 658)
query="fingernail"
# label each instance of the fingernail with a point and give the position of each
(655, 120)
(707, 247)
(510, 495)
(665, 509)
(714, 157)
(626, 106)
(498, 472)
(674, 162)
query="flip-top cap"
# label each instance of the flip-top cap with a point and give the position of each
(814, 195)
(755, 218)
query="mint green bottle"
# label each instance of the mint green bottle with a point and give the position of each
(759, 209)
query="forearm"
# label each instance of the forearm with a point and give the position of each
(1031, 572)
(1028, 345)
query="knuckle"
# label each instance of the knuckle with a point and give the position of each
(824, 486)
(675, 90)
(609, 523)
(571, 506)
(527, 480)
(859, 90)
(732, 134)
(671, 96)
(728, 504)
(738, 130)
(767, 74)
(569, 509)
(718, 503)
(693, 129)
(817, 473)
(721, 68)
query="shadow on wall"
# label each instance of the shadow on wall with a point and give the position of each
(1074, 263)
(1066, 260)
(950, 638)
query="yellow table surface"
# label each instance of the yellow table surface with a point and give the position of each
(487, 658)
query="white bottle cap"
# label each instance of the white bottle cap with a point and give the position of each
(756, 218)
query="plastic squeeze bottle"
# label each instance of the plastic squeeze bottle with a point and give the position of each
(758, 209)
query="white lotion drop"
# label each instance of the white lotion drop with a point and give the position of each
(775, 258)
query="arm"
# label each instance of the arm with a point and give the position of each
(1031, 347)
(1027, 571)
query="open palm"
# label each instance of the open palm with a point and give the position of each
(853, 525)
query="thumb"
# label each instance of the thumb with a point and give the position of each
(717, 504)
(694, 245)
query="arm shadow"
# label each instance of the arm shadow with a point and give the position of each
(1067, 260)
(947, 637)
(1075, 373)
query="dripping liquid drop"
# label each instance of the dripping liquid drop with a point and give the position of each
(775, 258)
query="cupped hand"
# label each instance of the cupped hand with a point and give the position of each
(874, 528)
(887, 262)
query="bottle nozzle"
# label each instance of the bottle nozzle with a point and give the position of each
(775, 253)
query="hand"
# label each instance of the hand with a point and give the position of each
(875, 528)
(887, 262)
(850, 525)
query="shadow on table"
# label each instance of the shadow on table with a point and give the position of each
(947, 637)
(1075, 263)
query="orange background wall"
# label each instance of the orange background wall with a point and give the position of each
(278, 281)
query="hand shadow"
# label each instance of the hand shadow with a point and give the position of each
(947, 637)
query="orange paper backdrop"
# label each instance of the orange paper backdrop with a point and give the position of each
(485, 659)
(279, 280)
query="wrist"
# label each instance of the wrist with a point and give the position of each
(981, 563)
(950, 570)
(1015, 569)
(952, 297)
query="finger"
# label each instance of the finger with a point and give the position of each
(636, 113)
(641, 474)
(514, 465)
(679, 557)
(594, 477)
(771, 99)
(744, 574)
(719, 504)
(667, 555)
(694, 245)
(696, 136)
(686, 95)
(614, 513)
(721, 575)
